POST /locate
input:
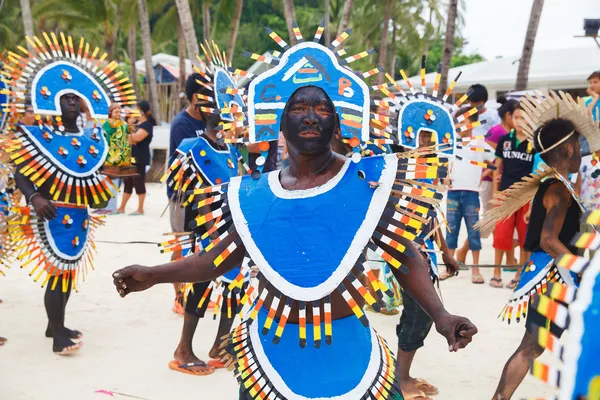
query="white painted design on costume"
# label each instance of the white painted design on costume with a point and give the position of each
(379, 200)
(280, 192)
(357, 393)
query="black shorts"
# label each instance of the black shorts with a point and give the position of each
(535, 320)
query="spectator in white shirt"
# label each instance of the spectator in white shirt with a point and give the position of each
(463, 193)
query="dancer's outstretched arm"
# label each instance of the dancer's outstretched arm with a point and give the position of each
(195, 268)
(457, 330)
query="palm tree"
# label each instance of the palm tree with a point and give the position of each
(131, 50)
(147, 47)
(290, 16)
(205, 19)
(27, 20)
(534, 21)
(96, 20)
(385, 33)
(448, 43)
(187, 26)
(181, 55)
(327, 22)
(345, 19)
(11, 33)
(237, 17)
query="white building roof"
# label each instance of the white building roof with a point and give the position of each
(164, 59)
(552, 69)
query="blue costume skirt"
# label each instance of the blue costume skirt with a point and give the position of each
(537, 272)
(60, 247)
(356, 365)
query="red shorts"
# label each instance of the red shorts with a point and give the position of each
(504, 231)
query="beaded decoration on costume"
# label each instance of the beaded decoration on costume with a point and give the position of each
(578, 377)
(6, 245)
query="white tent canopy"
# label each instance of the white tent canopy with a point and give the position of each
(550, 69)
(164, 59)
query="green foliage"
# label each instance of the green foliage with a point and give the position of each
(411, 62)
(419, 26)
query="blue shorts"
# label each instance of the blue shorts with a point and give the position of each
(463, 204)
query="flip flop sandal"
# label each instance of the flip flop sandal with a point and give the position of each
(445, 275)
(477, 280)
(427, 387)
(2, 341)
(498, 284)
(135, 214)
(185, 368)
(512, 285)
(417, 396)
(387, 311)
(216, 363)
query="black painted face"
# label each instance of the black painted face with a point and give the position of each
(309, 122)
(69, 106)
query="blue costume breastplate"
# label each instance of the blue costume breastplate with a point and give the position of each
(71, 163)
(79, 155)
(325, 229)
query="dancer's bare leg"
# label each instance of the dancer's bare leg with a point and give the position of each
(517, 367)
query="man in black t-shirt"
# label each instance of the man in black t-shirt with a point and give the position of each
(514, 161)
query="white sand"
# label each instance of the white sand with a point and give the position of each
(129, 342)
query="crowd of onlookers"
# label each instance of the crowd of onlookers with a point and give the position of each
(511, 157)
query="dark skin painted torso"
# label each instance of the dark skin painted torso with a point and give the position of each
(309, 126)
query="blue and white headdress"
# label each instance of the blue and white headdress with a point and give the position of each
(38, 79)
(418, 111)
(41, 77)
(311, 63)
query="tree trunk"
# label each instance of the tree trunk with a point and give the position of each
(110, 36)
(181, 55)
(385, 33)
(187, 26)
(290, 16)
(132, 49)
(205, 19)
(534, 21)
(147, 46)
(327, 22)
(345, 20)
(393, 51)
(27, 21)
(448, 43)
(237, 17)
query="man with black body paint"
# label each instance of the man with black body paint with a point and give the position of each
(309, 125)
(55, 301)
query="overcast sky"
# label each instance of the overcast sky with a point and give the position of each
(497, 27)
